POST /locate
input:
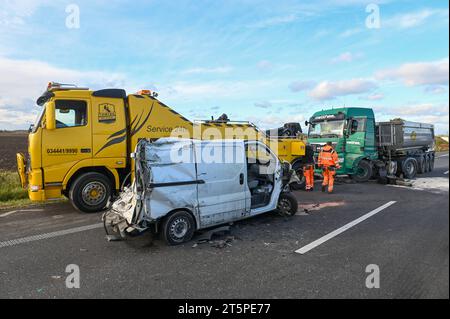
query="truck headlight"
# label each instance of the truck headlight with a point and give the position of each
(34, 188)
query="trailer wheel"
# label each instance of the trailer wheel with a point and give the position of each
(364, 172)
(90, 192)
(298, 168)
(427, 163)
(287, 204)
(431, 167)
(409, 168)
(422, 164)
(178, 228)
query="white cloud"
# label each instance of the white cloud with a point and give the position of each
(418, 73)
(373, 97)
(436, 89)
(327, 90)
(263, 105)
(274, 121)
(413, 19)
(265, 65)
(15, 12)
(200, 70)
(274, 21)
(27, 79)
(350, 32)
(299, 86)
(346, 57)
(433, 113)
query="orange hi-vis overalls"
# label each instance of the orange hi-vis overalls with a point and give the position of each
(308, 171)
(328, 161)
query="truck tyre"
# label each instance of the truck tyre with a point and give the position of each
(178, 228)
(409, 168)
(422, 164)
(431, 167)
(364, 172)
(90, 192)
(298, 168)
(427, 163)
(287, 204)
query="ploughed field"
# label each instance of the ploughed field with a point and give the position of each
(10, 144)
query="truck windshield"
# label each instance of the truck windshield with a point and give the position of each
(38, 120)
(327, 129)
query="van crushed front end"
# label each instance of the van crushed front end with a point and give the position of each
(139, 207)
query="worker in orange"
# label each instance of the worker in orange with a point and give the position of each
(328, 162)
(308, 168)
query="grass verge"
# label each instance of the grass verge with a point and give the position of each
(11, 192)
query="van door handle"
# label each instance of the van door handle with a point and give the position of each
(241, 179)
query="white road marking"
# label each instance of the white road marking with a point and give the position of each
(445, 155)
(335, 233)
(21, 210)
(59, 233)
(446, 173)
(408, 187)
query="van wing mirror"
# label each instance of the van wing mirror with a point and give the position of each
(50, 121)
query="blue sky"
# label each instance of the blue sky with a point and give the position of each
(269, 62)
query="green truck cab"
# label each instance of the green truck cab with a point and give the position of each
(368, 149)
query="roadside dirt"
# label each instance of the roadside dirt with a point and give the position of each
(10, 144)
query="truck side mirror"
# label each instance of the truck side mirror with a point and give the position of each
(50, 121)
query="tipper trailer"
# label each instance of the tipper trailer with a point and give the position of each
(368, 149)
(81, 142)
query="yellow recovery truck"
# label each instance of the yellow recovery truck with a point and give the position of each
(80, 144)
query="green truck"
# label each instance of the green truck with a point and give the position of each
(368, 149)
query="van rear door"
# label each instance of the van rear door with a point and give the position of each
(224, 196)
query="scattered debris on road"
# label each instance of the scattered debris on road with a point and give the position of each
(305, 209)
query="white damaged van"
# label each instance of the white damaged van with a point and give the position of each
(183, 185)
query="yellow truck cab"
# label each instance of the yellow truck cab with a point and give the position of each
(80, 144)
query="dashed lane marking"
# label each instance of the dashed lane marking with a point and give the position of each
(59, 233)
(339, 231)
(20, 210)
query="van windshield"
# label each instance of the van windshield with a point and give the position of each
(327, 129)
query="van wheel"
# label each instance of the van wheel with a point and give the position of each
(364, 172)
(409, 168)
(297, 167)
(90, 192)
(287, 204)
(178, 228)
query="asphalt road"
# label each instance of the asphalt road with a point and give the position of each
(408, 241)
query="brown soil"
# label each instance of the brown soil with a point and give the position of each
(10, 144)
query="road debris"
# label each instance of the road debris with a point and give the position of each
(306, 209)
(208, 235)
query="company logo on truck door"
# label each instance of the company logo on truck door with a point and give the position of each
(106, 113)
(120, 136)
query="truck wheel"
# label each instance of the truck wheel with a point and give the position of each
(178, 228)
(409, 168)
(90, 192)
(422, 164)
(364, 172)
(431, 167)
(287, 204)
(427, 163)
(297, 167)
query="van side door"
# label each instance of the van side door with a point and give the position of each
(224, 196)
